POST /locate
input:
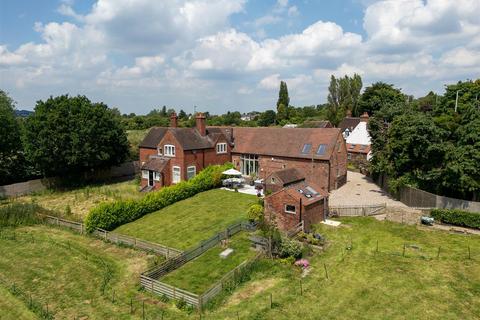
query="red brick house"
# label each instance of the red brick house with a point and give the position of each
(319, 154)
(295, 203)
(170, 155)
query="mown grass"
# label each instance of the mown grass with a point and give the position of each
(203, 272)
(75, 204)
(188, 222)
(365, 284)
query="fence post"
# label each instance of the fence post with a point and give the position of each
(81, 228)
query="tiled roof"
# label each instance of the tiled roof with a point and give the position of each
(316, 124)
(156, 164)
(349, 122)
(286, 142)
(358, 148)
(301, 191)
(189, 138)
(289, 175)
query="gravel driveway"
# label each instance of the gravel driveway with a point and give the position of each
(361, 190)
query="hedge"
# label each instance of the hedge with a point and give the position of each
(457, 217)
(109, 215)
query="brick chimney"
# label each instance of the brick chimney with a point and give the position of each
(201, 123)
(364, 117)
(349, 113)
(173, 120)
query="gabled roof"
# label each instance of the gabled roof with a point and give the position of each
(349, 122)
(286, 142)
(153, 137)
(359, 135)
(289, 175)
(156, 164)
(189, 138)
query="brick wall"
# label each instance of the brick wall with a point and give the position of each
(338, 170)
(275, 211)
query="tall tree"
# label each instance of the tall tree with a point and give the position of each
(343, 94)
(283, 102)
(11, 148)
(70, 135)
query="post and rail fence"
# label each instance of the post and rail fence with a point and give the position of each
(150, 278)
(358, 210)
(116, 238)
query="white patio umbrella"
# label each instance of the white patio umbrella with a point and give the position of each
(232, 172)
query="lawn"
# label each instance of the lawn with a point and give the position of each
(75, 204)
(363, 284)
(68, 271)
(203, 272)
(188, 222)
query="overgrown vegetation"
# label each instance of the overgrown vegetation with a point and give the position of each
(18, 214)
(457, 217)
(110, 215)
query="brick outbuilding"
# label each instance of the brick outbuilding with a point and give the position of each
(295, 203)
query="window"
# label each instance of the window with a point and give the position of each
(159, 151)
(249, 164)
(221, 147)
(321, 149)
(169, 150)
(156, 176)
(351, 146)
(349, 156)
(176, 175)
(191, 171)
(272, 180)
(290, 208)
(306, 148)
(145, 174)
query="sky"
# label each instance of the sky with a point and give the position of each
(221, 55)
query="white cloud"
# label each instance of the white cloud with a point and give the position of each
(131, 53)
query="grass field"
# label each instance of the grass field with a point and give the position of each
(75, 204)
(67, 272)
(188, 222)
(134, 138)
(363, 284)
(201, 273)
(12, 308)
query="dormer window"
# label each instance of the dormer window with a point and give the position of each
(159, 150)
(221, 147)
(169, 150)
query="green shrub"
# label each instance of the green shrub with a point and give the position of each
(16, 214)
(457, 217)
(289, 248)
(109, 215)
(255, 213)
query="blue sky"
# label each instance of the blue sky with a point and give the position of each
(230, 54)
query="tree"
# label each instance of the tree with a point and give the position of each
(267, 118)
(67, 136)
(283, 101)
(182, 115)
(343, 94)
(378, 95)
(11, 148)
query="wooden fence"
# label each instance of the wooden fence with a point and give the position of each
(355, 211)
(149, 279)
(115, 237)
(296, 229)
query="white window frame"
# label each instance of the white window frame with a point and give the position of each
(169, 150)
(159, 151)
(222, 147)
(156, 176)
(174, 168)
(272, 180)
(144, 174)
(194, 172)
(288, 211)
